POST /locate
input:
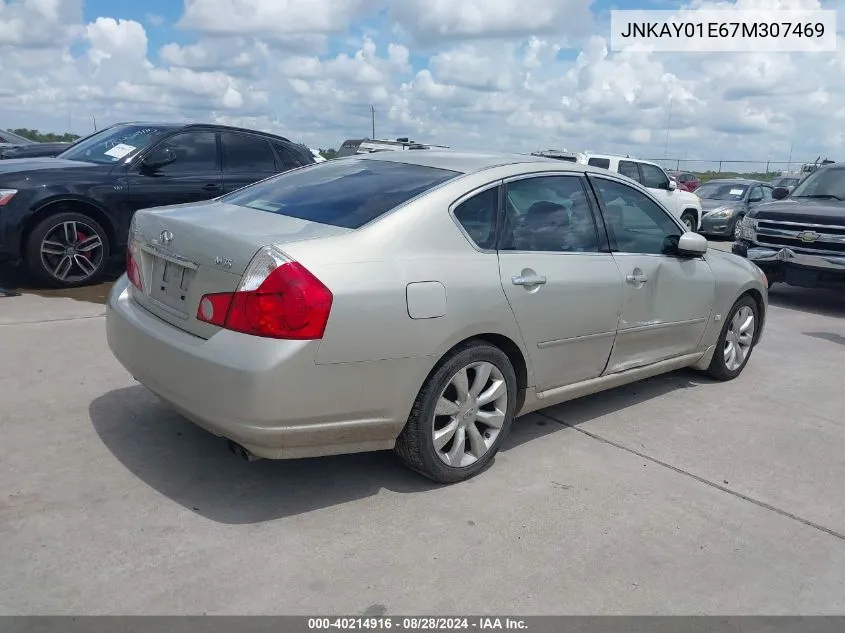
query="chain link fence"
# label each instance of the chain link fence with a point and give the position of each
(723, 168)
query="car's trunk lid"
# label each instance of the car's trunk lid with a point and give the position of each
(188, 251)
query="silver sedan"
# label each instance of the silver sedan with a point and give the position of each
(419, 301)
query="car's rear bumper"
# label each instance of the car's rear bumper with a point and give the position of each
(796, 268)
(267, 395)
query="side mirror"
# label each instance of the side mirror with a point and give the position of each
(159, 158)
(672, 185)
(755, 199)
(691, 245)
(779, 193)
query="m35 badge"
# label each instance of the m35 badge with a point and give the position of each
(223, 262)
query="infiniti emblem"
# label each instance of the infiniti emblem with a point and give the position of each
(166, 237)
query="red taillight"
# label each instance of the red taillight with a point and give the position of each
(278, 298)
(133, 270)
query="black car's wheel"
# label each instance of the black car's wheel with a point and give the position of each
(67, 249)
(736, 341)
(461, 415)
(690, 220)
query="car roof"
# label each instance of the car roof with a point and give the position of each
(618, 157)
(737, 181)
(212, 126)
(470, 162)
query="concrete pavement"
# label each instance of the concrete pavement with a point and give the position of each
(675, 495)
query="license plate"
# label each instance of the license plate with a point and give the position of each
(171, 283)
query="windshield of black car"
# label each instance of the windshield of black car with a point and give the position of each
(722, 191)
(823, 183)
(113, 144)
(344, 192)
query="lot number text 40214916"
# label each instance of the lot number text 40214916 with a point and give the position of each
(417, 623)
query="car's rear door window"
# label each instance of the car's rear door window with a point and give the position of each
(246, 154)
(603, 163)
(630, 169)
(348, 193)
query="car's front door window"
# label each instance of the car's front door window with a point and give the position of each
(195, 152)
(654, 177)
(635, 223)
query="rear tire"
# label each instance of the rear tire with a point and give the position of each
(67, 250)
(736, 341)
(690, 219)
(462, 414)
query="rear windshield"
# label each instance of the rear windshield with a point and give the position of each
(348, 193)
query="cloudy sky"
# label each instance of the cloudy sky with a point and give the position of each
(513, 75)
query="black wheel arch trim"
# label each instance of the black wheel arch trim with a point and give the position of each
(39, 213)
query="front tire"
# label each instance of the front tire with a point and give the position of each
(67, 250)
(736, 341)
(462, 414)
(690, 220)
(736, 232)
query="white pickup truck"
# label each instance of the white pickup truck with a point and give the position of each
(685, 205)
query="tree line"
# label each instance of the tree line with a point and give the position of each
(44, 137)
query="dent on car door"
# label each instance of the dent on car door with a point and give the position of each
(561, 282)
(667, 299)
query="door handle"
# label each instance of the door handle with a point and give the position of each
(211, 186)
(638, 278)
(528, 280)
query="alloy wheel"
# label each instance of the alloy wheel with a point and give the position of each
(739, 338)
(72, 251)
(469, 415)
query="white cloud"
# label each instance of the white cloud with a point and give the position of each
(473, 74)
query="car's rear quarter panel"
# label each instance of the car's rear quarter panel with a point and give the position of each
(369, 272)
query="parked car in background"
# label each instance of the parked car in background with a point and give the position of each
(787, 182)
(686, 180)
(562, 154)
(318, 157)
(33, 150)
(10, 139)
(353, 146)
(683, 204)
(726, 201)
(264, 301)
(800, 238)
(65, 216)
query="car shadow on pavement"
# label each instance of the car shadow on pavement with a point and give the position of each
(15, 278)
(195, 469)
(816, 301)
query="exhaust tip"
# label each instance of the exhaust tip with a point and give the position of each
(239, 450)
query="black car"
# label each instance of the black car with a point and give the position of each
(787, 182)
(726, 201)
(34, 150)
(65, 216)
(799, 239)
